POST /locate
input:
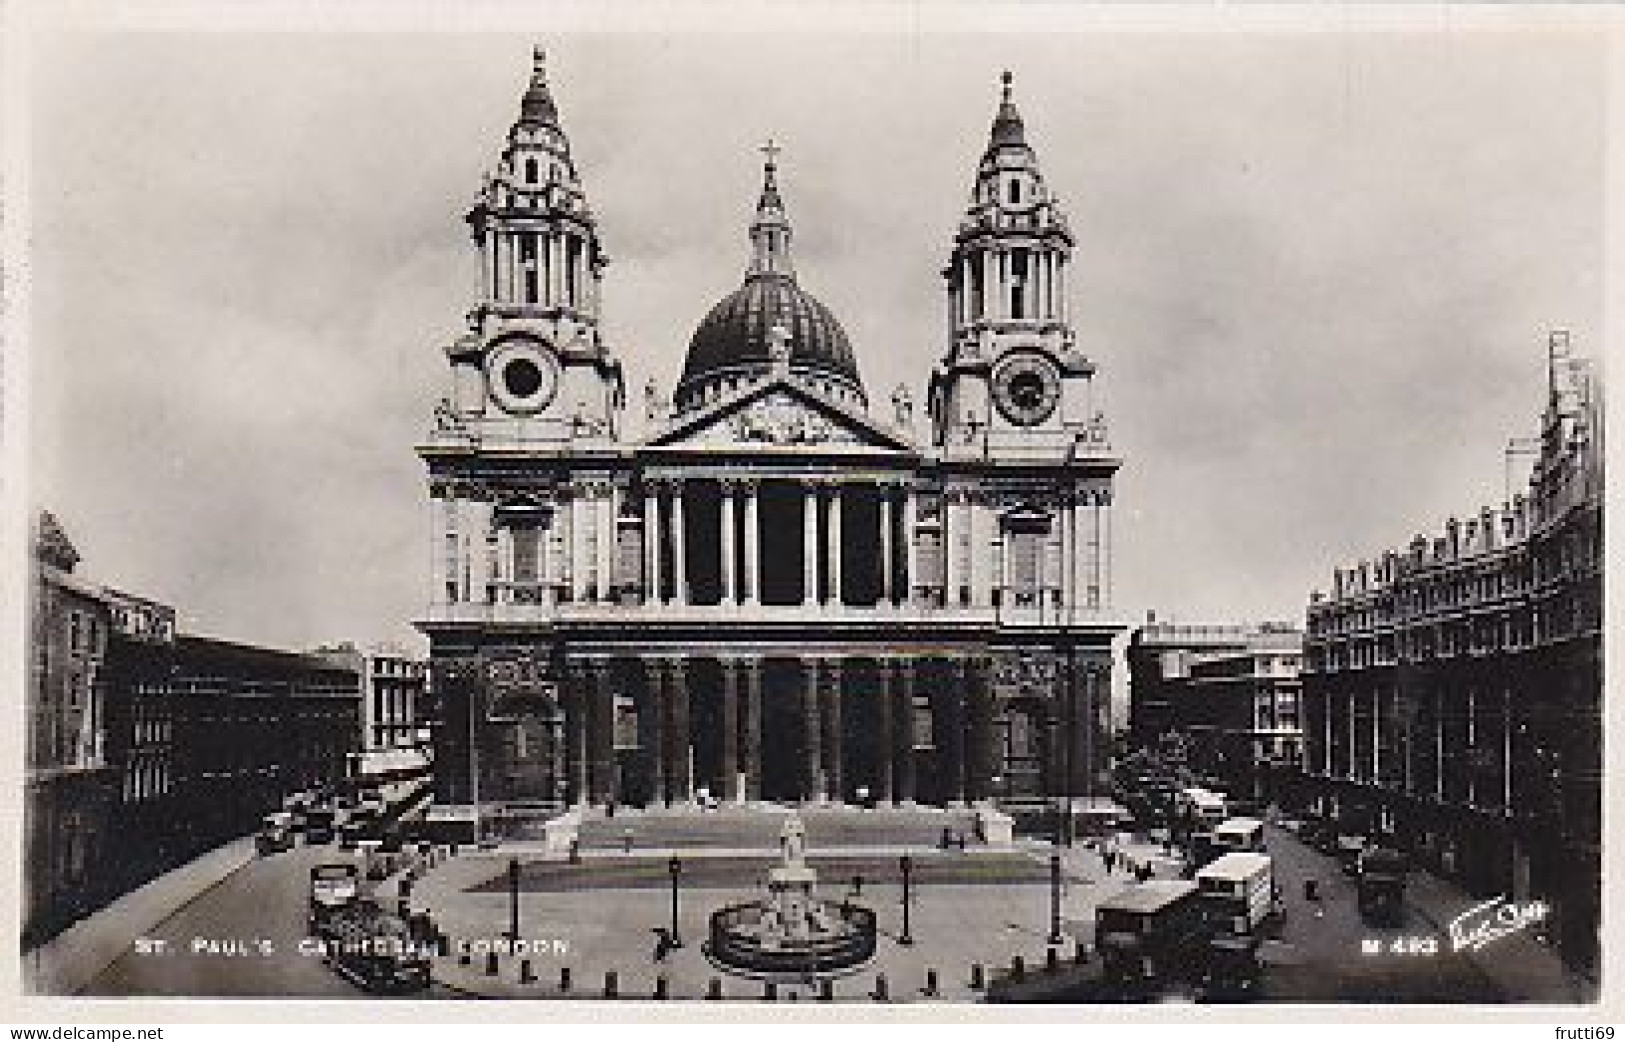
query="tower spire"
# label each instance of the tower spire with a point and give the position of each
(770, 230)
(1007, 126)
(537, 105)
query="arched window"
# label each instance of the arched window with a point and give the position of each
(1015, 191)
(530, 171)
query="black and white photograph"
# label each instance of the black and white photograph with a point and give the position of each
(928, 510)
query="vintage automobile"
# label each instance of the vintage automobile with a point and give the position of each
(276, 834)
(374, 950)
(1150, 937)
(1382, 886)
(334, 886)
(1240, 901)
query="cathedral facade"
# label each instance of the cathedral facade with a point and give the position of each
(783, 592)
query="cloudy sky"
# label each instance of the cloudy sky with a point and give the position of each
(1316, 272)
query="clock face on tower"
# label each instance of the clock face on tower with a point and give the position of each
(523, 374)
(1026, 387)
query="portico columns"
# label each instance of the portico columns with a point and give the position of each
(732, 790)
(812, 733)
(730, 587)
(600, 733)
(888, 562)
(752, 576)
(911, 564)
(888, 737)
(679, 755)
(679, 547)
(751, 731)
(834, 764)
(651, 546)
(833, 555)
(652, 727)
(903, 730)
(809, 544)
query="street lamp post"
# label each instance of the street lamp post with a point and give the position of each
(906, 863)
(513, 899)
(675, 867)
(1055, 898)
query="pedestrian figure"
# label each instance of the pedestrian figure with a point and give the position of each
(1110, 858)
(1143, 874)
(662, 943)
(626, 841)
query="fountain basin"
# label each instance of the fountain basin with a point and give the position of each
(742, 938)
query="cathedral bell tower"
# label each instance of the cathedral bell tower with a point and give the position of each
(1011, 379)
(533, 361)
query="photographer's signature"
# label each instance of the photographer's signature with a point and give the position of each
(1493, 920)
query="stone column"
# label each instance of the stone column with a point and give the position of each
(652, 727)
(601, 735)
(809, 544)
(753, 545)
(679, 747)
(1068, 555)
(651, 545)
(730, 586)
(751, 731)
(1084, 692)
(834, 761)
(812, 732)
(732, 790)
(579, 689)
(948, 723)
(888, 558)
(582, 509)
(981, 760)
(833, 556)
(885, 789)
(910, 554)
(679, 544)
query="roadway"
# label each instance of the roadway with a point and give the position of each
(238, 939)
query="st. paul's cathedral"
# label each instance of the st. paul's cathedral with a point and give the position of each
(785, 592)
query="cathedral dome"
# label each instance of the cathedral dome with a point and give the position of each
(734, 338)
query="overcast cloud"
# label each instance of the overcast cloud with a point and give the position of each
(1316, 273)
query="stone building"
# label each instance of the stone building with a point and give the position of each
(781, 593)
(1453, 687)
(68, 784)
(1228, 694)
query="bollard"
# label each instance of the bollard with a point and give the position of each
(662, 987)
(527, 975)
(612, 984)
(491, 964)
(1018, 967)
(770, 991)
(978, 976)
(564, 978)
(1080, 954)
(714, 989)
(1052, 959)
(931, 988)
(882, 991)
(826, 989)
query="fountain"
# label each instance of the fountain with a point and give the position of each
(792, 933)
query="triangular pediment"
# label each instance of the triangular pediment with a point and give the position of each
(782, 414)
